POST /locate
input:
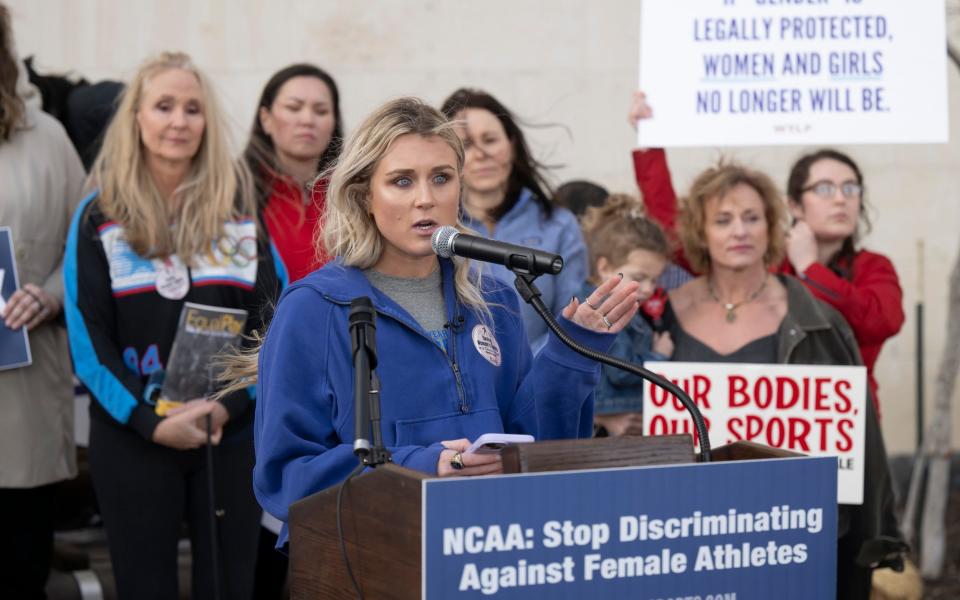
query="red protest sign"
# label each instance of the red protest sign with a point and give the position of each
(812, 409)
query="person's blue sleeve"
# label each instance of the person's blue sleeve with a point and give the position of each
(91, 328)
(554, 398)
(299, 448)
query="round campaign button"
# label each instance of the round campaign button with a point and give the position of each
(173, 279)
(486, 344)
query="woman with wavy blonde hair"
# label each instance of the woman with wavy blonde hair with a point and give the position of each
(454, 362)
(732, 229)
(170, 221)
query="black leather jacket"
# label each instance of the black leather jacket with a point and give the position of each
(813, 333)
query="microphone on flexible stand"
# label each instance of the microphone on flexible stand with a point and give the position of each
(447, 242)
(527, 264)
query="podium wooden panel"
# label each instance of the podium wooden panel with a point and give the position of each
(381, 525)
(382, 512)
(598, 453)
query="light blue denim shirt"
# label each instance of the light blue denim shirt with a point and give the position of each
(526, 225)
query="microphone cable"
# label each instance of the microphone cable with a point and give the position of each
(343, 543)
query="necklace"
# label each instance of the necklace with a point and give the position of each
(730, 306)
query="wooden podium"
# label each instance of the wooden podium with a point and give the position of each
(382, 512)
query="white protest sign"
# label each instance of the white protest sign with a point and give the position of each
(763, 72)
(812, 409)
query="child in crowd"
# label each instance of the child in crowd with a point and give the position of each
(621, 240)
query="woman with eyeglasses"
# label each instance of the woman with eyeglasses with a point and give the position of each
(825, 195)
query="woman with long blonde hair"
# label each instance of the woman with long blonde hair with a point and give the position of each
(170, 220)
(454, 362)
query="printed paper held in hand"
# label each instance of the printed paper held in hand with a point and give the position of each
(203, 332)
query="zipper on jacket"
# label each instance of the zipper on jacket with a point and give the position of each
(452, 360)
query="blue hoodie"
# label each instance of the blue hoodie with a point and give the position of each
(485, 381)
(526, 224)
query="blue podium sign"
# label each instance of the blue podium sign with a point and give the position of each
(720, 531)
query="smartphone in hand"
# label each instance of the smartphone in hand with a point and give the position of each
(491, 443)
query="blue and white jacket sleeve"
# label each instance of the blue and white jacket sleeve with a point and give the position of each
(89, 310)
(300, 449)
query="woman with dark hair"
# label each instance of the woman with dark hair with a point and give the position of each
(506, 197)
(825, 193)
(296, 135)
(580, 195)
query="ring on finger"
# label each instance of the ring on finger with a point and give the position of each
(457, 461)
(606, 321)
(591, 304)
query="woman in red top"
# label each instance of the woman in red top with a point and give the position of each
(825, 198)
(296, 134)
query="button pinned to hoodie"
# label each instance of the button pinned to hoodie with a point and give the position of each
(486, 344)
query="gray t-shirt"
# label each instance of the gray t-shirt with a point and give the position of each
(422, 298)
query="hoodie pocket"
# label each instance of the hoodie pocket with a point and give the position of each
(450, 426)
